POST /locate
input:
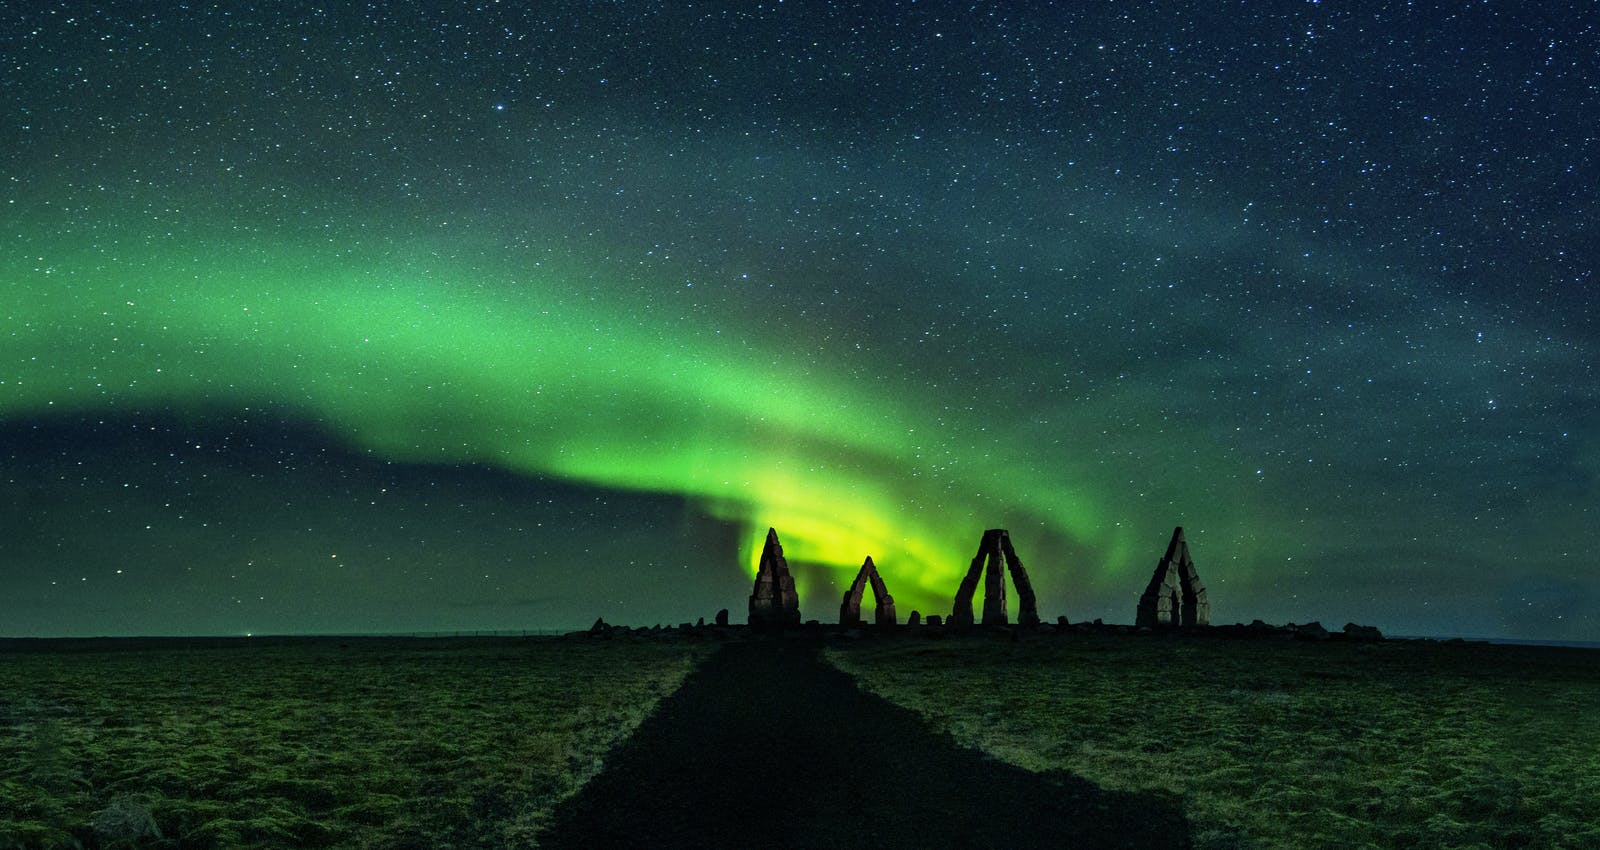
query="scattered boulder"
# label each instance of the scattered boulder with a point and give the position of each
(1311, 631)
(700, 623)
(127, 821)
(600, 627)
(722, 617)
(1355, 632)
(935, 620)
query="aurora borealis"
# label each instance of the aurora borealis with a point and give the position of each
(400, 318)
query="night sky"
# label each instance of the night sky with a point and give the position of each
(433, 317)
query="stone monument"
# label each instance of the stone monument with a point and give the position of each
(774, 601)
(850, 609)
(1175, 595)
(995, 556)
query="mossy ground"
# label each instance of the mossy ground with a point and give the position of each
(1276, 744)
(370, 744)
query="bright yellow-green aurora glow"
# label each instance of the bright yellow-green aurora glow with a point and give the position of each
(410, 359)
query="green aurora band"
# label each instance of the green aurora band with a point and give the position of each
(405, 354)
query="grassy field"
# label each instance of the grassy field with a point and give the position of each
(380, 744)
(1274, 744)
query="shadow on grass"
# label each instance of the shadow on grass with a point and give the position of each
(765, 745)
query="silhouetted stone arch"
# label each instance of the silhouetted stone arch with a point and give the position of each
(850, 609)
(774, 601)
(1175, 595)
(995, 556)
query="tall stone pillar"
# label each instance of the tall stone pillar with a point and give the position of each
(774, 601)
(962, 615)
(994, 579)
(883, 613)
(1027, 604)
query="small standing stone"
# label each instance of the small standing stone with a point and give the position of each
(722, 617)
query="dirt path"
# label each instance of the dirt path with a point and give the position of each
(767, 746)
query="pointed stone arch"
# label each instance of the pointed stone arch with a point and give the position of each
(774, 601)
(995, 556)
(850, 608)
(1175, 595)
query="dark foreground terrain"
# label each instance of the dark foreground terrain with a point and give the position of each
(1095, 739)
(1279, 744)
(767, 746)
(315, 742)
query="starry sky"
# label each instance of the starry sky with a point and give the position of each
(403, 317)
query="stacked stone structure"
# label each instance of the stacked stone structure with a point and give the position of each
(995, 556)
(1175, 595)
(850, 608)
(774, 601)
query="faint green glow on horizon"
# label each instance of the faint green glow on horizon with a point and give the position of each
(412, 361)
